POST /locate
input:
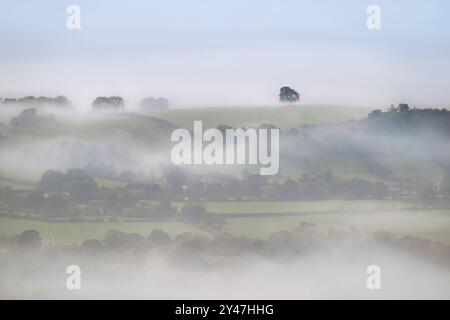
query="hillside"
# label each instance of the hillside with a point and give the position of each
(281, 116)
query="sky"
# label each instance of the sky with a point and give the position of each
(233, 52)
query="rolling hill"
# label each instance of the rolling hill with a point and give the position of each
(281, 116)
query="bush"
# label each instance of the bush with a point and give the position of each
(30, 238)
(159, 237)
(92, 245)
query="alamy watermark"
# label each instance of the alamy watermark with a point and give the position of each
(374, 280)
(229, 147)
(73, 21)
(374, 17)
(73, 281)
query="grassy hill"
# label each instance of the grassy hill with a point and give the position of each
(159, 124)
(97, 127)
(282, 116)
(132, 132)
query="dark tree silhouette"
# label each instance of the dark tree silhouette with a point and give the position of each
(60, 101)
(176, 177)
(288, 95)
(108, 103)
(30, 238)
(159, 237)
(30, 117)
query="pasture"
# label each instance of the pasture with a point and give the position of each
(433, 225)
(281, 116)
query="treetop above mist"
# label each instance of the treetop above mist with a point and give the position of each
(288, 95)
(108, 103)
(118, 103)
(29, 117)
(404, 118)
(32, 101)
(154, 104)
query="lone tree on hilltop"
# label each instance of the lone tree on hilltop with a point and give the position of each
(288, 95)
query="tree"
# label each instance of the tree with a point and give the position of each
(75, 214)
(115, 239)
(80, 185)
(37, 101)
(288, 95)
(402, 107)
(27, 117)
(159, 237)
(92, 245)
(52, 180)
(30, 238)
(56, 204)
(445, 183)
(176, 177)
(375, 114)
(30, 117)
(61, 101)
(100, 169)
(155, 104)
(108, 103)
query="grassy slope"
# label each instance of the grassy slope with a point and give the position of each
(274, 207)
(301, 206)
(96, 128)
(431, 225)
(294, 116)
(15, 185)
(282, 116)
(109, 183)
(144, 130)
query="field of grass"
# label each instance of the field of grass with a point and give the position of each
(97, 126)
(274, 207)
(282, 116)
(109, 183)
(147, 132)
(431, 225)
(301, 206)
(15, 185)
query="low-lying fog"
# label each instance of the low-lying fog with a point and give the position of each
(332, 271)
(142, 143)
(337, 273)
(77, 138)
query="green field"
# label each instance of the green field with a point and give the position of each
(15, 185)
(433, 225)
(301, 206)
(137, 133)
(109, 183)
(97, 127)
(274, 207)
(282, 116)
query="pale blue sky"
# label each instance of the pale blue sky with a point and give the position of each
(213, 52)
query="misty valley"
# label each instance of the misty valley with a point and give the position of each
(100, 190)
